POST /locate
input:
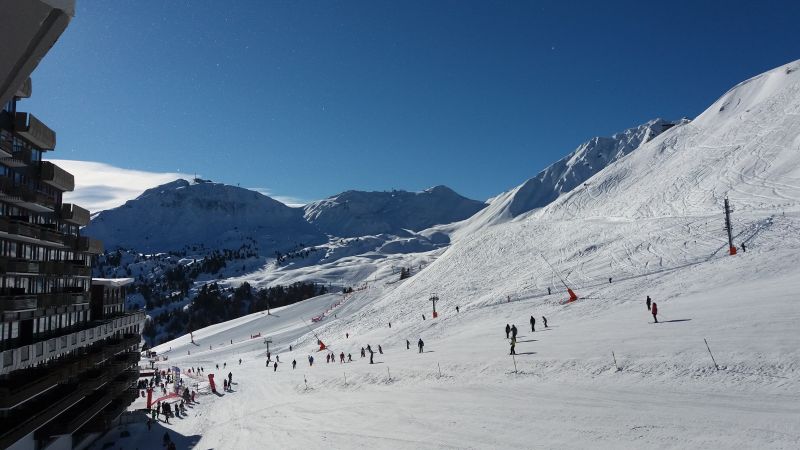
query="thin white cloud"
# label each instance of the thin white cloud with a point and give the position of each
(285, 199)
(100, 186)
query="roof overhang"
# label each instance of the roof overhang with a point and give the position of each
(111, 282)
(30, 28)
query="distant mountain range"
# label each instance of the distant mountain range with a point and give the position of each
(181, 214)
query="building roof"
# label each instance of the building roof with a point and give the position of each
(112, 282)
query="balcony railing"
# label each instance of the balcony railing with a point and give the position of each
(35, 131)
(12, 265)
(64, 268)
(33, 231)
(53, 300)
(89, 245)
(18, 303)
(74, 214)
(29, 356)
(30, 198)
(56, 176)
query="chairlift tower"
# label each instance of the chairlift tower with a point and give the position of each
(434, 298)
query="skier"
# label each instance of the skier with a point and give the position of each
(544, 319)
(230, 377)
(217, 366)
(225, 385)
(420, 344)
(275, 366)
(310, 360)
(533, 324)
(744, 249)
(349, 357)
(177, 411)
(294, 363)
(224, 365)
(390, 324)
(380, 349)
(423, 317)
(457, 310)
(290, 347)
(363, 352)
(514, 331)
(341, 358)
(508, 330)
(408, 344)
(371, 354)
(269, 356)
(240, 361)
(277, 358)
(648, 303)
(548, 291)
(327, 358)
(609, 280)
(654, 310)
(347, 335)
(513, 344)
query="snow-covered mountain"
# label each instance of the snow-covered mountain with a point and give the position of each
(745, 146)
(359, 213)
(179, 214)
(603, 374)
(568, 172)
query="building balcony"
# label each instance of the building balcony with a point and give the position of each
(35, 131)
(37, 413)
(15, 265)
(54, 300)
(6, 149)
(27, 198)
(45, 349)
(88, 245)
(18, 303)
(62, 268)
(74, 214)
(20, 227)
(105, 420)
(25, 90)
(56, 176)
(76, 416)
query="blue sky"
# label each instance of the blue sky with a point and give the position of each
(308, 99)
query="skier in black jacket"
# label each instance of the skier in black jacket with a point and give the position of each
(533, 324)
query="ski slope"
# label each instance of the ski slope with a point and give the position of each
(652, 222)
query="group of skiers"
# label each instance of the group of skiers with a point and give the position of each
(227, 384)
(166, 409)
(511, 332)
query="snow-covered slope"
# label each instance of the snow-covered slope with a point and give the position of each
(179, 214)
(745, 146)
(359, 213)
(648, 224)
(567, 173)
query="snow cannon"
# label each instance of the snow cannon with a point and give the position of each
(572, 296)
(321, 345)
